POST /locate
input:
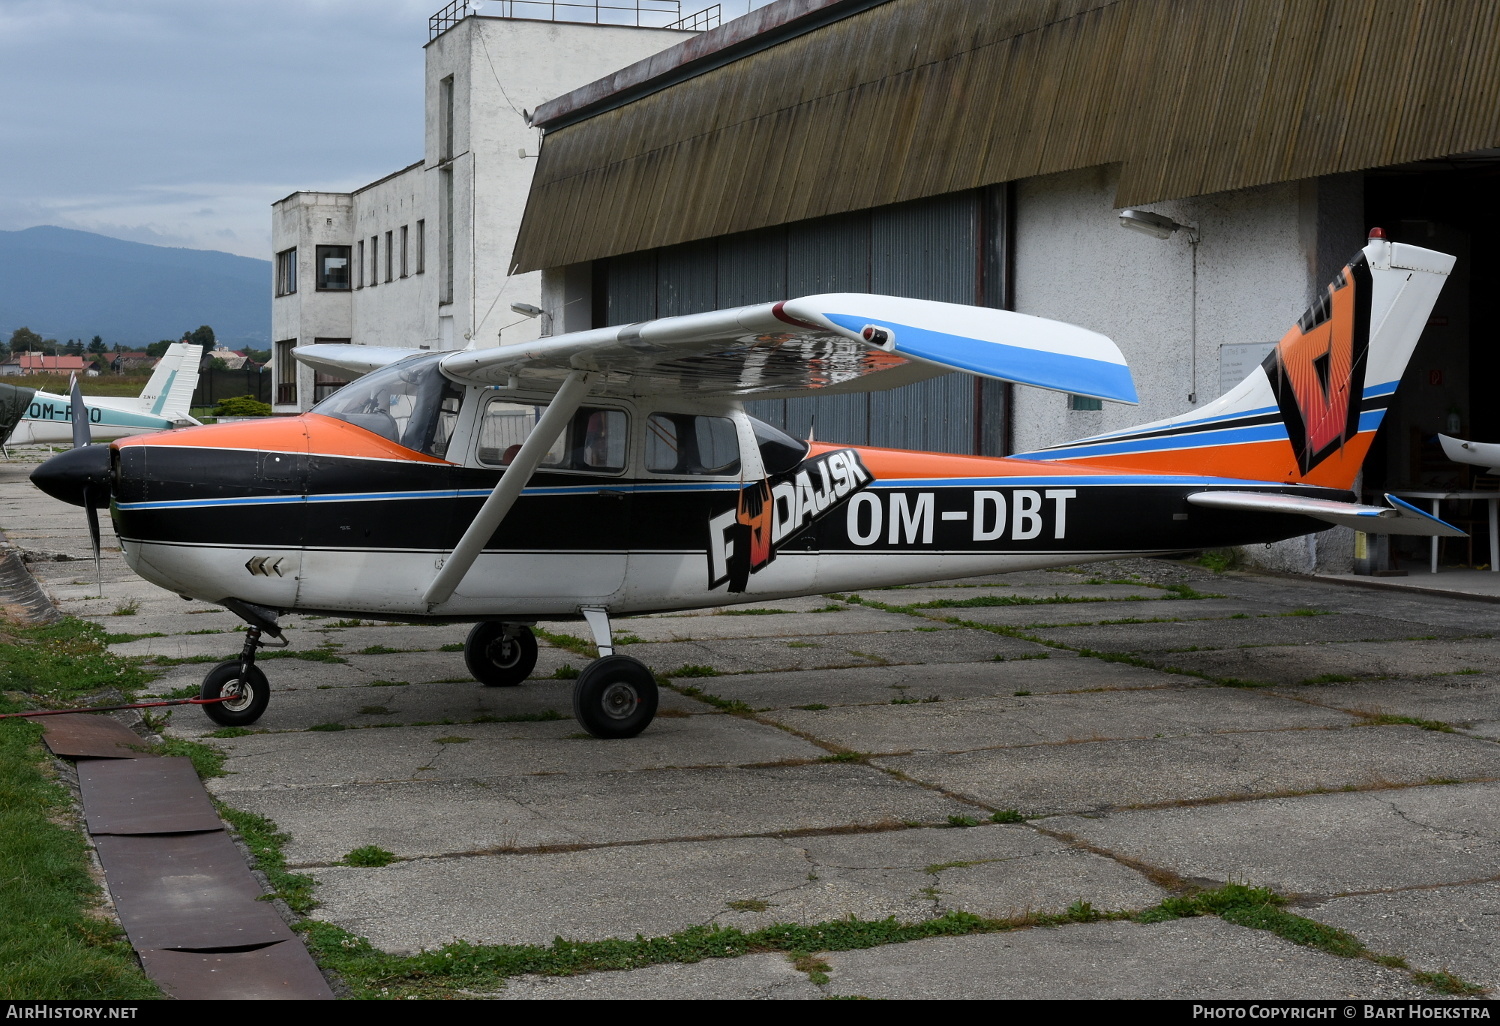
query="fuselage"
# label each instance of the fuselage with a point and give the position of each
(319, 514)
(49, 419)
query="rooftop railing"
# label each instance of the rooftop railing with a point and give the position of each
(639, 13)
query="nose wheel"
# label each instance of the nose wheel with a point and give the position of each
(237, 692)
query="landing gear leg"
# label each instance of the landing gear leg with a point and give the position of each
(615, 696)
(241, 684)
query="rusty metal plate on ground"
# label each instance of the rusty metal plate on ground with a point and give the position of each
(144, 796)
(92, 736)
(282, 970)
(186, 891)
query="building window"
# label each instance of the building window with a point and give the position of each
(324, 384)
(359, 270)
(1083, 402)
(374, 259)
(333, 268)
(421, 246)
(286, 372)
(286, 272)
(390, 254)
(445, 113)
(405, 263)
(445, 290)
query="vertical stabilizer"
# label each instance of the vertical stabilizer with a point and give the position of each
(1308, 413)
(169, 393)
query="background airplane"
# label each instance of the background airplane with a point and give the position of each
(615, 471)
(30, 416)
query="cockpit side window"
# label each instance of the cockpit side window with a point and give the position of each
(596, 439)
(779, 451)
(683, 443)
(410, 403)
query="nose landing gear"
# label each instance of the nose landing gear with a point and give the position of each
(241, 684)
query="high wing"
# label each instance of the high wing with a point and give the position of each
(815, 345)
(1398, 518)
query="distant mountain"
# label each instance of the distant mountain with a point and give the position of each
(66, 284)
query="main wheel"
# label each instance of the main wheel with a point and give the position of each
(497, 657)
(614, 697)
(246, 696)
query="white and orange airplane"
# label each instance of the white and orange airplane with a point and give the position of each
(614, 471)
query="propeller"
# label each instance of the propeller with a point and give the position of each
(82, 438)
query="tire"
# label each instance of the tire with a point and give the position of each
(615, 697)
(498, 659)
(241, 711)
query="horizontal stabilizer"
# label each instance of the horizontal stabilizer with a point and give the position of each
(1481, 454)
(344, 360)
(1398, 518)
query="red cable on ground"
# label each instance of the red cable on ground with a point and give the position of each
(112, 708)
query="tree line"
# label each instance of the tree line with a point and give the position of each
(24, 340)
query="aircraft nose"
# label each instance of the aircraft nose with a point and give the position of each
(79, 476)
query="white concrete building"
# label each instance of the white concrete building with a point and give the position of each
(421, 257)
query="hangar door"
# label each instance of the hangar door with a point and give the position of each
(950, 248)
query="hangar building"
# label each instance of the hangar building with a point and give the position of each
(981, 152)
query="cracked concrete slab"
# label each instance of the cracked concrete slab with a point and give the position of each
(494, 749)
(1294, 665)
(652, 889)
(1205, 959)
(978, 723)
(1315, 844)
(1468, 701)
(762, 977)
(1112, 774)
(823, 651)
(1068, 614)
(1453, 930)
(1059, 671)
(1083, 593)
(422, 818)
(1223, 634)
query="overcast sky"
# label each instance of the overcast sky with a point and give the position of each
(179, 122)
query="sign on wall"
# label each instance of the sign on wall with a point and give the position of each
(1237, 361)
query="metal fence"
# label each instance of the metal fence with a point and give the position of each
(639, 13)
(217, 384)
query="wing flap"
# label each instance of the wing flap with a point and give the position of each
(1398, 518)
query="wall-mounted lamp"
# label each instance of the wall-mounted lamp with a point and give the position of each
(1163, 227)
(526, 309)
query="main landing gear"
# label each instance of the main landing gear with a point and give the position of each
(615, 696)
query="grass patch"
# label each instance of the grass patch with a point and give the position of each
(127, 608)
(230, 732)
(457, 646)
(62, 661)
(1329, 678)
(389, 684)
(207, 760)
(567, 641)
(692, 670)
(748, 905)
(729, 705)
(566, 672)
(328, 726)
(545, 716)
(265, 842)
(311, 655)
(751, 612)
(1007, 816)
(1183, 591)
(962, 821)
(1306, 612)
(1388, 720)
(52, 941)
(383, 650)
(626, 638)
(1447, 983)
(120, 639)
(844, 757)
(369, 857)
(1219, 560)
(813, 707)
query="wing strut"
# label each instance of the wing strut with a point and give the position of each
(549, 426)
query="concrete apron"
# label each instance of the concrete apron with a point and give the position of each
(1143, 773)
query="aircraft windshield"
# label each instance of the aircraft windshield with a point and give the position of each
(410, 403)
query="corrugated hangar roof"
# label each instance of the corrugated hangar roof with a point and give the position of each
(859, 104)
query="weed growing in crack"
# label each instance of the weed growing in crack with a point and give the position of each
(370, 857)
(748, 905)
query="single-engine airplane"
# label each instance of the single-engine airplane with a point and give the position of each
(614, 471)
(28, 415)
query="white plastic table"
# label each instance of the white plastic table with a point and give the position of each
(1437, 498)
